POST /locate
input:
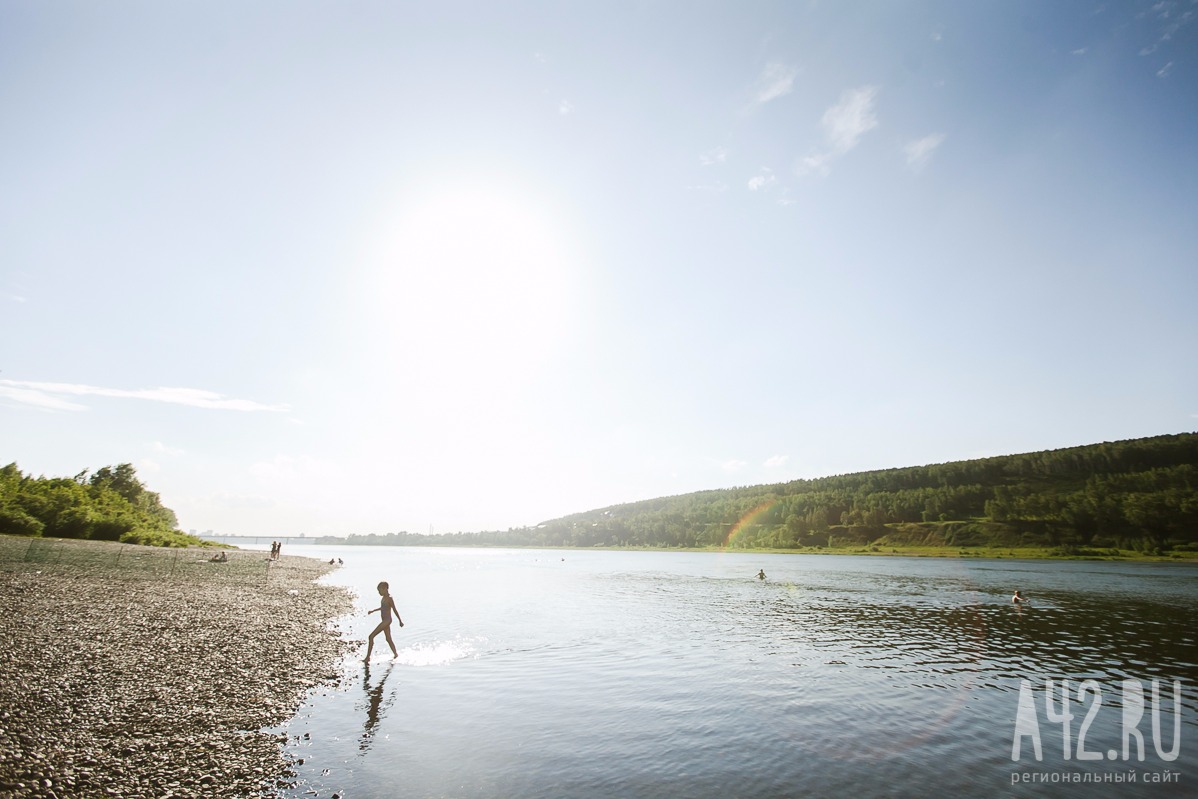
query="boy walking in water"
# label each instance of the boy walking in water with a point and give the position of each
(385, 608)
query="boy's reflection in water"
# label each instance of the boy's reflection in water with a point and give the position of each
(375, 708)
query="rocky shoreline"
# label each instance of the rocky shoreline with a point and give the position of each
(134, 672)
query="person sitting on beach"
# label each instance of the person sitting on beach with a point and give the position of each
(1019, 598)
(386, 608)
(221, 558)
(761, 574)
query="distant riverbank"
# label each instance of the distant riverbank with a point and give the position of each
(854, 548)
(1027, 553)
(150, 672)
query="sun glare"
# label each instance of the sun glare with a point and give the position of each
(473, 279)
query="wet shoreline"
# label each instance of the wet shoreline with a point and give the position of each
(140, 672)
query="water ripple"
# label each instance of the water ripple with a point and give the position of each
(660, 675)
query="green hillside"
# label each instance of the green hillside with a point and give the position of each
(1139, 495)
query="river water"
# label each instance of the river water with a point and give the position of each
(544, 673)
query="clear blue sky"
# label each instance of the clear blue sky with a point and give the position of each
(375, 266)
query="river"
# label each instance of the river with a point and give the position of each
(547, 673)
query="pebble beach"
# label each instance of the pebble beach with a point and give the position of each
(141, 672)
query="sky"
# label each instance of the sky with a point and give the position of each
(364, 267)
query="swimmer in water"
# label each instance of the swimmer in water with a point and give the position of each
(1019, 599)
(385, 609)
(761, 574)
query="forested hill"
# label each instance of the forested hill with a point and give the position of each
(1140, 494)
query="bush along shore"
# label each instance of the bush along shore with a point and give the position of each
(137, 671)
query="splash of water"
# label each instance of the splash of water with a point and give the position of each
(436, 653)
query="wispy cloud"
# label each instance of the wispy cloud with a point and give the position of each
(163, 449)
(920, 151)
(291, 469)
(1164, 71)
(846, 122)
(565, 108)
(763, 180)
(716, 155)
(816, 162)
(776, 80)
(15, 283)
(776, 461)
(38, 399)
(51, 396)
(843, 125)
(733, 465)
(1170, 19)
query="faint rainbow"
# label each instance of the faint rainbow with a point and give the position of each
(748, 520)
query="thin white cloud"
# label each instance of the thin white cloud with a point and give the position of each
(846, 122)
(50, 396)
(38, 399)
(1170, 23)
(716, 155)
(733, 465)
(776, 80)
(163, 449)
(565, 108)
(817, 162)
(1164, 71)
(776, 461)
(289, 469)
(920, 151)
(763, 180)
(843, 125)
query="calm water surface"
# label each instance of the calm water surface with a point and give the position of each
(541, 673)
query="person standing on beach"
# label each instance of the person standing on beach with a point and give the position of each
(386, 608)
